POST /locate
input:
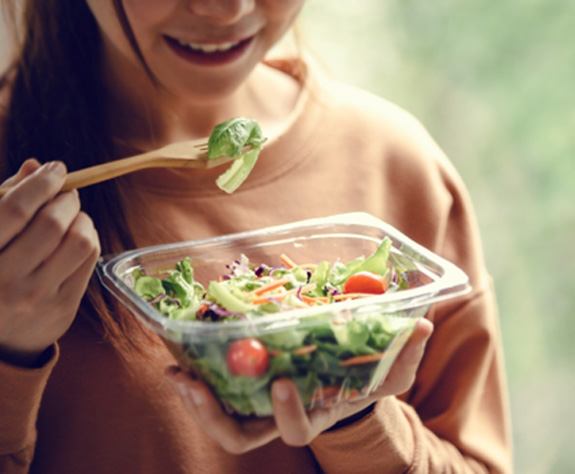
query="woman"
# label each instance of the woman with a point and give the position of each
(84, 388)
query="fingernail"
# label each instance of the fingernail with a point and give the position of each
(56, 167)
(281, 392)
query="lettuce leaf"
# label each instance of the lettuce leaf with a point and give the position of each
(240, 138)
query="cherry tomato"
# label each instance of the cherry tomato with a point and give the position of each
(247, 357)
(365, 282)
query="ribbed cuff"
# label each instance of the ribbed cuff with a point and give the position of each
(380, 441)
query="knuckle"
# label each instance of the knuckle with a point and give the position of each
(82, 241)
(52, 222)
(45, 182)
(84, 220)
(42, 184)
(83, 237)
(16, 210)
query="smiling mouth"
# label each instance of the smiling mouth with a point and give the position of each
(208, 53)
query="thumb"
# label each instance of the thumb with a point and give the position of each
(26, 169)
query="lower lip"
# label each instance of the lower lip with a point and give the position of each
(217, 58)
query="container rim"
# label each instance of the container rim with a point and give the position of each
(451, 283)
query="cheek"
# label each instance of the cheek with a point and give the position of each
(280, 16)
(149, 10)
(148, 16)
(284, 10)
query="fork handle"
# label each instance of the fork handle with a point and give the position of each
(104, 171)
(112, 169)
(151, 159)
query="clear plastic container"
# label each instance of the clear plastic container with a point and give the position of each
(324, 374)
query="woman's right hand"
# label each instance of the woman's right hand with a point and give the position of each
(48, 251)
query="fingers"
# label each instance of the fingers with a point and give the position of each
(23, 200)
(28, 167)
(75, 286)
(402, 373)
(412, 353)
(42, 235)
(78, 245)
(72, 263)
(234, 436)
(290, 416)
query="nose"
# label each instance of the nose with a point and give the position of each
(221, 11)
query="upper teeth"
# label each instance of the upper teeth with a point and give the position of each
(209, 48)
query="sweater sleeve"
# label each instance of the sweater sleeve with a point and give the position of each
(455, 418)
(20, 396)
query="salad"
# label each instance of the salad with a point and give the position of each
(329, 358)
(242, 139)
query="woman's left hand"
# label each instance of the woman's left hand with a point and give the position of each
(290, 421)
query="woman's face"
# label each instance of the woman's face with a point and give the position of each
(200, 49)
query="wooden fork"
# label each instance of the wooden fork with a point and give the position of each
(187, 154)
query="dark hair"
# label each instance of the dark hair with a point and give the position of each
(56, 112)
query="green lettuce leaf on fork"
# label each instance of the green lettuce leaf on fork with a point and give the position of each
(240, 138)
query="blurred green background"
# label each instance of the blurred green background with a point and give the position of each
(493, 83)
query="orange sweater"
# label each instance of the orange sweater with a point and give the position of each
(86, 411)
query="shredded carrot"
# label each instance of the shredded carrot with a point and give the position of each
(362, 359)
(270, 286)
(349, 296)
(288, 262)
(280, 294)
(304, 350)
(312, 300)
(262, 300)
(268, 298)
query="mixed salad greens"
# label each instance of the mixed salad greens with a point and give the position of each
(242, 139)
(330, 356)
